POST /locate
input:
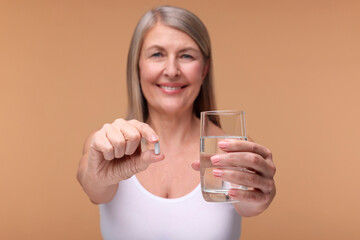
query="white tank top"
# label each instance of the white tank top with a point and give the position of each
(136, 214)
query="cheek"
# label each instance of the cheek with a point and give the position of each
(148, 71)
(144, 78)
(145, 73)
(194, 73)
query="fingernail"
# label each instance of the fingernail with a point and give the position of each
(217, 172)
(232, 192)
(223, 144)
(215, 159)
(153, 138)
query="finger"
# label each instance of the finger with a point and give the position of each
(150, 157)
(101, 144)
(254, 196)
(116, 139)
(235, 145)
(196, 165)
(131, 165)
(131, 135)
(141, 163)
(145, 130)
(248, 160)
(245, 178)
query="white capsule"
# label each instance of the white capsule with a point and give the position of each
(242, 187)
(157, 148)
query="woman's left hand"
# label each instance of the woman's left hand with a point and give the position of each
(244, 156)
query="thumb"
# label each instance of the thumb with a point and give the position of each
(149, 157)
(196, 165)
(132, 165)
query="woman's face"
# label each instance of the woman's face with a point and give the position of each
(172, 70)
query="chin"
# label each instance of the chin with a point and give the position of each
(174, 109)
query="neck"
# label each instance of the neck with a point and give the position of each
(175, 129)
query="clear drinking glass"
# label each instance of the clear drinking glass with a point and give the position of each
(216, 126)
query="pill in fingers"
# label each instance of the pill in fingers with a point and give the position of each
(157, 148)
(145, 146)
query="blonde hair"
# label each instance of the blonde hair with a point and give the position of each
(182, 20)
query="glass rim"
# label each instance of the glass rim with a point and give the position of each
(222, 112)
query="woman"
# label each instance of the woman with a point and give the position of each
(147, 196)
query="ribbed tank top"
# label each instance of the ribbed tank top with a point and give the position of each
(136, 214)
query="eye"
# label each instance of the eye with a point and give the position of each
(187, 56)
(157, 55)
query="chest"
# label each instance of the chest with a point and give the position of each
(188, 218)
(173, 177)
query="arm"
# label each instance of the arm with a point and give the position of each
(96, 192)
(113, 154)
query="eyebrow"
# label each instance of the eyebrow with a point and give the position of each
(189, 49)
(155, 46)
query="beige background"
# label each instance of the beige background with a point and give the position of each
(293, 66)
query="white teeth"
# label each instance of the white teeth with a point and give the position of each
(170, 88)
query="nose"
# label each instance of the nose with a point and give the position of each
(171, 68)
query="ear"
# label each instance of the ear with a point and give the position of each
(206, 69)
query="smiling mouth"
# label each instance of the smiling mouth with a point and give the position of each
(171, 88)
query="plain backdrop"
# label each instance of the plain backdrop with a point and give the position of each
(293, 66)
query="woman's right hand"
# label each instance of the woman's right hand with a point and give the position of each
(113, 154)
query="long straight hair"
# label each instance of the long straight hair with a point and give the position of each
(182, 20)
